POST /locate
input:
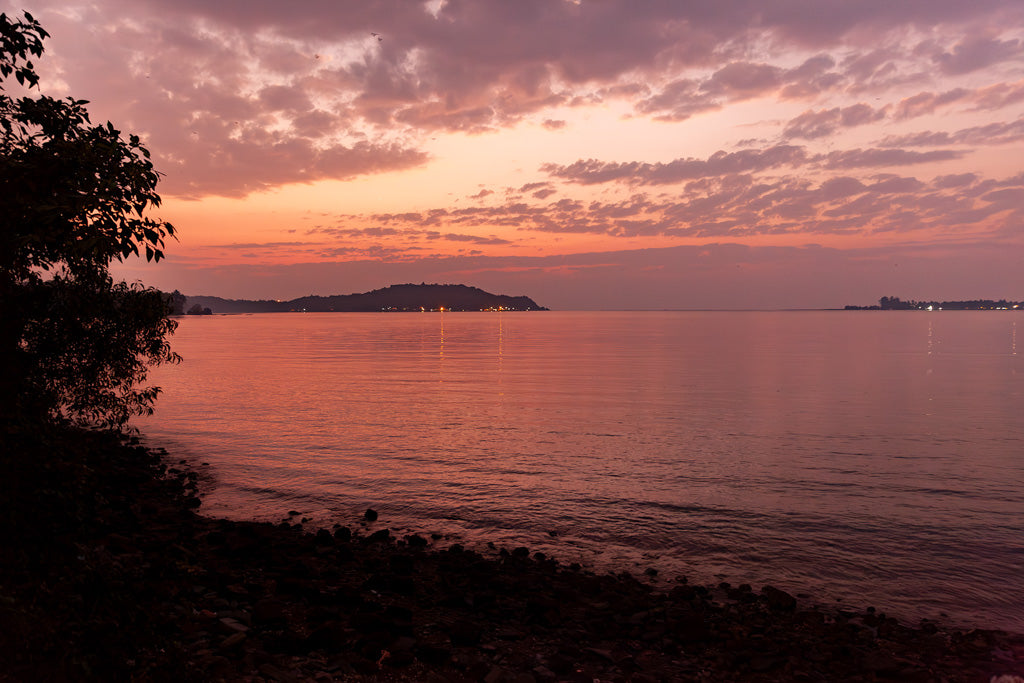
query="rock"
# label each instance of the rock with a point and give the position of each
(234, 626)
(399, 659)
(762, 663)
(343, 534)
(560, 664)
(544, 673)
(328, 637)
(401, 564)
(402, 644)
(465, 633)
(494, 675)
(276, 674)
(365, 667)
(603, 655)
(381, 536)
(416, 541)
(882, 664)
(370, 515)
(268, 612)
(778, 599)
(232, 641)
(432, 655)
(398, 613)
(509, 634)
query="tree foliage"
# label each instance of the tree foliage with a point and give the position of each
(74, 197)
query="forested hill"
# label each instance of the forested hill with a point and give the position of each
(407, 297)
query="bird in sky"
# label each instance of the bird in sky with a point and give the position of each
(378, 36)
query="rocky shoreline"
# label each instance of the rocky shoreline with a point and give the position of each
(108, 571)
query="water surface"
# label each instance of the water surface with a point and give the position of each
(874, 458)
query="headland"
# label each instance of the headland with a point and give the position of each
(391, 299)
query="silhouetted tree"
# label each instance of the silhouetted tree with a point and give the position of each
(176, 303)
(73, 197)
(198, 309)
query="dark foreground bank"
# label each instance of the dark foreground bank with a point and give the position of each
(107, 572)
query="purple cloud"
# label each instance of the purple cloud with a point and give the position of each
(977, 52)
(882, 158)
(235, 97)
(591, 171)
(824, 122)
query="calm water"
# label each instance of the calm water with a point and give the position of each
(870, 458)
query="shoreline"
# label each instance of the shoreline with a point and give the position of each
(661, 573)
(111, 571)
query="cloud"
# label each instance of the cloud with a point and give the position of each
(816, 124)
(409, 235)
(998, 96)
(744, 80)
(884, 158)
(743, 205)
(925, 103)
(236, 97)
(1002, 133)
(678, 101)
(977, 52)
(592, 171)
(239, 167)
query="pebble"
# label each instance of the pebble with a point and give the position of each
(232, 640)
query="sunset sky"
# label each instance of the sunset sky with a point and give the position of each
(587, 153)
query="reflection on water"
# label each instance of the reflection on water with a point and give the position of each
(827, 452)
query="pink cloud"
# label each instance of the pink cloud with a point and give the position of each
(741, 205)
(881, 158)
(999, 95)
(592, 171)
(815, 124)
(236, 97)
(1002, 133)
(744, 80)
(925, 103)
(977, 52)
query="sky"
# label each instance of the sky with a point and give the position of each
(590, 154)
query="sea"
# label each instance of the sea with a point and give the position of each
(852, 458)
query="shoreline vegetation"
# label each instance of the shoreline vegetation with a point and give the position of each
(111, 572)
(894, 303)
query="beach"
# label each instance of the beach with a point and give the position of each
(112, 572)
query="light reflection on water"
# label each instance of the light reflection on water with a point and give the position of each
(871, 456)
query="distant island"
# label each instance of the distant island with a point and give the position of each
(894, 303)
(395, 298)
